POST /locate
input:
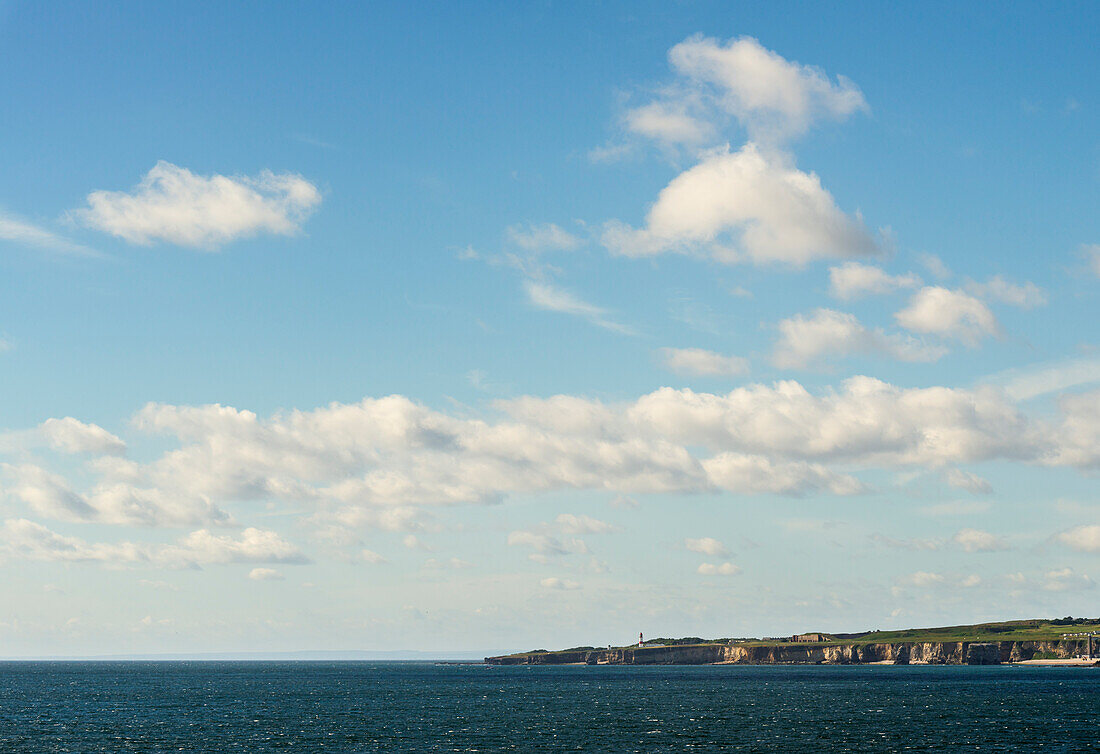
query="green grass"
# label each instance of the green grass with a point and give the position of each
(1016, 630)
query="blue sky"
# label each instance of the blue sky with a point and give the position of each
(484, 327)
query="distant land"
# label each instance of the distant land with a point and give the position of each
(1060, 641)
(350, 655)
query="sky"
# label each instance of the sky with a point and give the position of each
(484, 327)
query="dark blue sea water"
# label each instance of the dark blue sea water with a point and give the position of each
(397, 707)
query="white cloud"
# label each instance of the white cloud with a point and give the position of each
(381, 461)
(554, 582)
(754, 475)
(1041, 379)
(923, 579)
(28, 540)
(371, 557)
(571, 524)
(451, 564)
(539, 238)
(976, 540)
(971, 581)
(174, 205)
(669, 122)
(696, 361)
(804, 341)
(1026, 296)
(772, 97)
(853, 280)
(412, 542)
(22, 232)
(949, 313)
(706, 546)
(723, 569)
(73, 436)
(46, 494)
(1085, 538)
(265, 574)
(934, 265)
(745, 206)
(1066, 579)
(545, 296)
(623, 501)
(964, 480)
(545, 545)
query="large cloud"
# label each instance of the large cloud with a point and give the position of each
(825, 334)
(853, 280)
(949, 313)
(32, 541)
(74, 436)
(174, 205)
(376, 462)
(749, 205)
(772, 98)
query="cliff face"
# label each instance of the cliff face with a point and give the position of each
(923, 653)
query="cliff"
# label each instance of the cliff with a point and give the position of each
(828, 653)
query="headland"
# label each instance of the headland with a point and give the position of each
(1062, 641)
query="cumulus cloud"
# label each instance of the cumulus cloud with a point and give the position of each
(976, 540)
(571, 524)
(1066, 579)
(553, 299)
(826, 333)
(671, 123)
(948, 313)
(450, 564)
(934, 265)
(73, 436)
(45, 493)
(853, 280)
(1026, 296)
(174, 205)
(1085, 538)
(23, 539)
(706, 546)
(380, 461)
(721, 569)
(370, 557)
(754, 474)
(554, 582)
(697, 361)
(772, 98)
(922, 579)
(114, 501)
(545, 546)
(265, 574)
(749, 205)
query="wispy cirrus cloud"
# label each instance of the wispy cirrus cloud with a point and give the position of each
(554, 299)
(23, 232)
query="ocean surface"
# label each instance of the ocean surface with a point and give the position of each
(398, 707)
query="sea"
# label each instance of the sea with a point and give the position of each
(426, 707)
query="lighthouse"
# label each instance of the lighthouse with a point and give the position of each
(639, 638)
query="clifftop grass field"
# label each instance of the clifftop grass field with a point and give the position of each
(1036, 629)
